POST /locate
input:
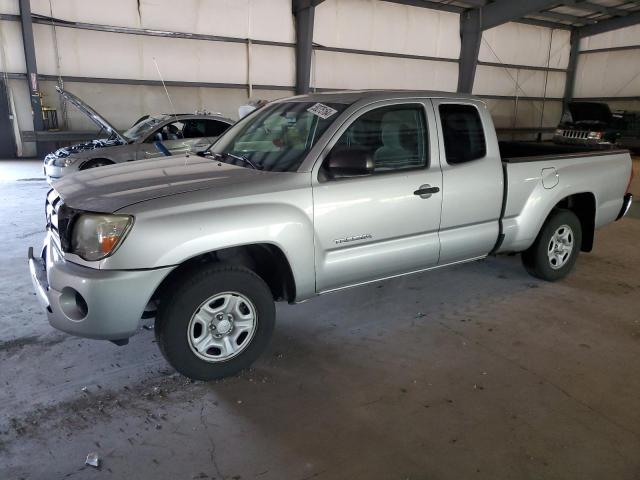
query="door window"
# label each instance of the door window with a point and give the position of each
(394, 136)
(462, 133)
(171, 131)
(214, 128)
(201, 127)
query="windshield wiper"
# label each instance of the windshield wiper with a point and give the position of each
(243, 158)
(232, 155)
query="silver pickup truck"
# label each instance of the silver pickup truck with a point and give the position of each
(306, 196)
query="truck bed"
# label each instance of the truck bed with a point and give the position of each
(517, 152)
(538, 176)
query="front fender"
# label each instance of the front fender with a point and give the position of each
(171, 234)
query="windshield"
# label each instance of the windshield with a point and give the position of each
(277, 137)
(141, 128)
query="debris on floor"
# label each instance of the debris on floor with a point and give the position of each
(93, 460)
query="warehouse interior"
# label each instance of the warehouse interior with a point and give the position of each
(473, 371)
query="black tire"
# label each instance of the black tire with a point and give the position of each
(98, 162)
(187, 294)
(536, 259)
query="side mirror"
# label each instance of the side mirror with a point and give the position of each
(350, 163)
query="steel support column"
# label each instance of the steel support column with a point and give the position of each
(570, 79)
(30, 60)
(470, 36)
(474, 21)
(304, 12)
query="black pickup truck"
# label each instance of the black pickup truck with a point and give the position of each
(594, 124)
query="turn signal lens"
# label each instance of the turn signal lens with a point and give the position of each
(96, 236)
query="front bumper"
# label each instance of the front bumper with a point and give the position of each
(626, 205)
(87, 302)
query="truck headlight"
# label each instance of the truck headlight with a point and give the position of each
(96, 236)
(595, 135)
(64, 161)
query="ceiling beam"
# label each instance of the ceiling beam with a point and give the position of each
(563, 17)
(428, 4)
(609, 25)
(503, 11)
(596, 8)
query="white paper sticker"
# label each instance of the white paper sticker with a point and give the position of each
(322, 111)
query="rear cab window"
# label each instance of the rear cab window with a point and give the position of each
(462, 133)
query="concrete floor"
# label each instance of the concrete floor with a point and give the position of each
(477, 371)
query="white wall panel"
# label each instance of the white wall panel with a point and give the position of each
(273, 65)
(616, 38)
(387, 27)
(9, 6)
(11, 50)
(531, 83)
(608, 74)
(529, 113)
(111, 55)
(521, 44)
(83, 53)
(257, 19)
(494, 81)
(123, 104)
(352, 71)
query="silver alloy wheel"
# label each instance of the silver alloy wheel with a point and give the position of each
(560, 247)
(222, 327)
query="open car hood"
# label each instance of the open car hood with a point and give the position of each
(590, 112)
(95, 117)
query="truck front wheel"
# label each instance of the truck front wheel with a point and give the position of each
(216, 321)
(553, 254)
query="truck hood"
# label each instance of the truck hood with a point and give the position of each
(94, 116)
(113, 187)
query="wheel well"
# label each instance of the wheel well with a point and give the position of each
(266, 260)
(584, 206)
(94, 160)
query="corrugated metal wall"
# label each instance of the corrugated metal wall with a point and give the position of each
(609, 67)
(358, 44)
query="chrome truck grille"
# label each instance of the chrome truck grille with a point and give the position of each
(52, 206)
(575, 134)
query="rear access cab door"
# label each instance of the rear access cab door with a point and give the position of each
(472, 179)
(378, 225)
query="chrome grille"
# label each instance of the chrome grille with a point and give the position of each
(575, 134)
(52, 205)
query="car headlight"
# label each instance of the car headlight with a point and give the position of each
(96, 236)
(595, 135)
(64, 161)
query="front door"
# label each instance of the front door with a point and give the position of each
(381, 224)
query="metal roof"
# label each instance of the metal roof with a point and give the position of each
(563, 14)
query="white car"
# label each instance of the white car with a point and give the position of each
(180, 133)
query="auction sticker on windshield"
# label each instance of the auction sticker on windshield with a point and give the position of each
(322, 111)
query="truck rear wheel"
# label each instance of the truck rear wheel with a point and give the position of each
(216, 322)
(554, 253)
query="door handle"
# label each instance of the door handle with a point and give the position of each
(425, 191)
